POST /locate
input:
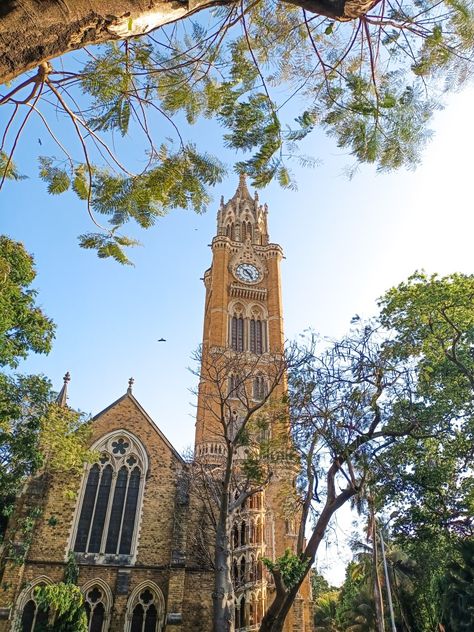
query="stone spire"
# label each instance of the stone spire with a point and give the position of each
(130, 385)
(61, 399)
(242, 191)
(243, 217)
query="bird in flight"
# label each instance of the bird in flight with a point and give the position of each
(162, 340)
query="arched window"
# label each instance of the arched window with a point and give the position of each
(259, 388)
(257, 332)
(145, 611)
(241, 614)
(235, 536)
(111, 498)
(95, 601)
(242, 573)
(33, 618)
(235, 573)
(243, 534)
(256, 336)
(29, 617)
(237, 333)
(230, 231)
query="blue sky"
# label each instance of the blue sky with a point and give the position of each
(345, 243)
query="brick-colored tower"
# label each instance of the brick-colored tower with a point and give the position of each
(243, 316)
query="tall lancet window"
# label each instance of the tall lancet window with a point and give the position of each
(257, 332)
(246, 231)
(237, 329)
(111, 497)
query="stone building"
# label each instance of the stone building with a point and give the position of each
(132, 524)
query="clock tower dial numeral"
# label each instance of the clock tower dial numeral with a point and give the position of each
(247, 273)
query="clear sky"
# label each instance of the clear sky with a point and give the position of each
(345, 243)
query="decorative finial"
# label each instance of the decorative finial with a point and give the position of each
(61, 399)
(130, 384)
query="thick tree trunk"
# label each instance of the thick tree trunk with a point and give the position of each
(223, 592)
(275, 617)
(34, 31)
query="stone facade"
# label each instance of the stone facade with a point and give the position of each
(163, 556)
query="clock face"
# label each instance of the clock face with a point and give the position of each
(247, 273)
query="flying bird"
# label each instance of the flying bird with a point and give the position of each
(162, 340)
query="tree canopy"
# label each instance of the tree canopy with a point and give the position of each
(36, 433)
(368, 73)
(384, 417)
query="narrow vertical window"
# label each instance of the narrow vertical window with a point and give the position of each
(87, 508)
(130, 511)
(100, 510)
(237, 333)
(252, 336)
(117, 510)
(258, 337)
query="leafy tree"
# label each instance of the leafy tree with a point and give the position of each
(369, 73)
(319, 584)
(36, 434)
(364, 413)
(457, 590)
(325, 611)
(23, 326)
(23, 399)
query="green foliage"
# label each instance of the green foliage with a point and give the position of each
(457, 590)
(433, 318)
(290, 566)
(23, 326)
(8, 169)
(372, 84)
(71, 572)
(387, 127)
(35, 432)
(65, 600)
(176, 180)
(319, 584)
(325, 611)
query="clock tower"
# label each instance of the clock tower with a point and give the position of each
(243, 316)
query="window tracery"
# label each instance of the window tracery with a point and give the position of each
(145, 611)
(30, 618)
(111, 499)
(259, 387)
(97, 604)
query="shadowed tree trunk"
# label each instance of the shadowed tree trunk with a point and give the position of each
(34, 31)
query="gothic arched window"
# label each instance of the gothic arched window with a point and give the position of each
(145, 612)
(33, 618)
(237, 329)
(97, 603)
(257, 332)
(256, 336)
(111, 499)
(259, 388)
(29, 617)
